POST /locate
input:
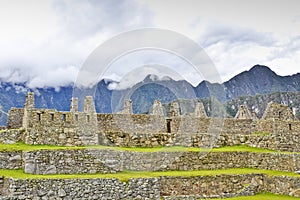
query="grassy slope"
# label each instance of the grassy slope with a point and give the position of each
(123, 176)
(25, 147)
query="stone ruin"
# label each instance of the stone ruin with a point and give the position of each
(278, 129)
(76, 128)
(157, 108)
(174, 109)
(199, 110)
(279, 112)
(127, 107)
(244, 113)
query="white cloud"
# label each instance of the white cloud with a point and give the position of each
(55, 78)
(46, 42)
(139, 64)
(136, 75)
(47, 37)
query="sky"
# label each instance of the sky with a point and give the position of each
(46, 43)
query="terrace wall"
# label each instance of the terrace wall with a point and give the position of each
(220, 186)
(79, 161)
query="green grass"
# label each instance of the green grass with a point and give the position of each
(241, 148)
(264, 196)
(125, 176)
(25, 147)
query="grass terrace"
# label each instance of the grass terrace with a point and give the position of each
(241, 148)
(125, 176)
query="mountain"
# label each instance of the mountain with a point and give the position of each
(259, 80)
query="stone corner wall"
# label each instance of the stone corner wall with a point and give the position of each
(15, 118)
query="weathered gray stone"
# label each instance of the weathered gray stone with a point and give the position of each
(15, 158)
(50, 170)
(61, 193)
(30, 168)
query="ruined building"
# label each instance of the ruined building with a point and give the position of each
(77, 128)
(278, 129)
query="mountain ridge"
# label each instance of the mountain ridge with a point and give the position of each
(259, 80)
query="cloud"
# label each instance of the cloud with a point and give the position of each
(55, 78)
(86, 18)
(216, 32)
(55, 37)
(41, 39)
(142, 62)
(234, 49)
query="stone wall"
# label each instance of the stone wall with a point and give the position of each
(220, 186)
(153, 131)
(1, 185)
(61, 128)
(46, 126)
(278, 111)
(111, 161)
(201, 132)
(138, 123)
(9, 136)
(72, 161)
(11, 160)
(69, 189)
(15, 118)
(284, 185)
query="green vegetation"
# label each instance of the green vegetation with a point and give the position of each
(241, 148)
(125, 176)
(25, 147)
(264, 196)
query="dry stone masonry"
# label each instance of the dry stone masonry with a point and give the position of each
(201, 187)
(81, 161)
(278, 130)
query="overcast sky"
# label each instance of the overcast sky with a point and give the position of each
(45, 43)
